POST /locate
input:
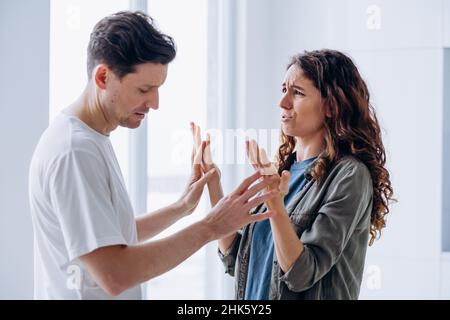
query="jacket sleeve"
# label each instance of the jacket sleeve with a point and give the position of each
(229, 258)
(347, 199)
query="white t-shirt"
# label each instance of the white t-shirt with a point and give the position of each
(78, 203)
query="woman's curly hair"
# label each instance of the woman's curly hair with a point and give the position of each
(352, 129)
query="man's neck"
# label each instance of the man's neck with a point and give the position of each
(89, 110)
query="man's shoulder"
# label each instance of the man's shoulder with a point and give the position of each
(63, 137)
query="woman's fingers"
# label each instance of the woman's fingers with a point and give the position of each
(263, 159)
(252, 152)
(268, 168)
(259, 159)
(250, 157)
(284, 182)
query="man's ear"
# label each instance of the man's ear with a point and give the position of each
(101, 74)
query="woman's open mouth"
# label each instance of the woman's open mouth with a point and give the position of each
(285, 118)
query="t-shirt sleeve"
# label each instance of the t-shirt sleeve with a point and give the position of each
(81, 197)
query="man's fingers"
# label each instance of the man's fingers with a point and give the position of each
(262, 216)
(198, 157)
(196, 135)
(203, 180)
(192, 127)
(192, 155)
(247, 183)
(207, 156)
(196, 172)
(258, 187)
(260, 199)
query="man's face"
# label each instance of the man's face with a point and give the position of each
(129, 99)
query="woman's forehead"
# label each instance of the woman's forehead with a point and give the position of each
(294, 75)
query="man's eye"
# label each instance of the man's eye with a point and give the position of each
(143, 91)
(283, 90)
(296, 92)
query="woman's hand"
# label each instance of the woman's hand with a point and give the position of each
(260, 162)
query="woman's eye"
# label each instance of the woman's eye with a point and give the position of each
(283, 90)
(143, 91)
(298, 93)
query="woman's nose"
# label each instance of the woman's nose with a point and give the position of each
(285, 103)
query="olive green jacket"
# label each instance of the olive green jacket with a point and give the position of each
(333, 222)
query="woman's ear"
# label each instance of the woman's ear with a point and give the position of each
(326, 110)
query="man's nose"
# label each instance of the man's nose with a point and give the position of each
(153, 103)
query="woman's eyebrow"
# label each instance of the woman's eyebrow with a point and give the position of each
(298, 87)
(293, 86)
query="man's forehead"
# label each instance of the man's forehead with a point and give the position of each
(149, 73)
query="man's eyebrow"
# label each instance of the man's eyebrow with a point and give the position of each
(147, 86)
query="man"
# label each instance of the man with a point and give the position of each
(88, 245)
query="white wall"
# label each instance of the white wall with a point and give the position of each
(24, 65)
(398, 47)
(402, 61)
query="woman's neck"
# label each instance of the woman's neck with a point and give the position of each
(307, 148)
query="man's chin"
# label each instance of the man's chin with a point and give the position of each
(131, 124)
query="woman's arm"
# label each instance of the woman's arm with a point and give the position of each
(288, 246)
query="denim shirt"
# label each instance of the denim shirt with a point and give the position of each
(261, 255)
(332, 220)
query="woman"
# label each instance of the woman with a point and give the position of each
(334, 189)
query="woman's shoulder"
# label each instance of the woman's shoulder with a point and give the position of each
(351, 166)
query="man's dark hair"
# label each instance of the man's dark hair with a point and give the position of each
(126, 39)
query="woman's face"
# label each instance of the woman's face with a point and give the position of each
(301, 106)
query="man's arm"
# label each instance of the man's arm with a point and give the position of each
(215, 194)
(117, 268)
(149, 225)
(153, 223)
